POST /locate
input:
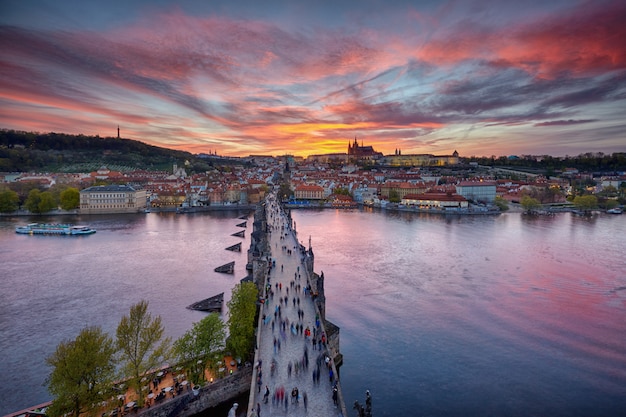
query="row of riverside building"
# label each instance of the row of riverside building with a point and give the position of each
(126, 199)
(112, 199)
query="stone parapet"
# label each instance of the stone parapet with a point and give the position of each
(209, 396)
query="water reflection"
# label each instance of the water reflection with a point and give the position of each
(503, 315)
(439, 315)
(54, 286)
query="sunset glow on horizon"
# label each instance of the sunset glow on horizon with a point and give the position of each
(242, 77)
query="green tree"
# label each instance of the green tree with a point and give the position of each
(609, 190)
(142, 349)
(47, 202)
(40, 202)
(529, 204)
(32, 201)
(195, 348)
(70, 198)
(284, 192)
(9, 201)
(501, 203)
(22, 189)
(342, 191)
(242, 311)
(56, 190)
(611, 204)
(394, 197)
(585, 203)
(82, 372)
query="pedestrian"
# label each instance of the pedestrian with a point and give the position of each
(267, 394)
(305, 400)
(335, 395)
(258, 410)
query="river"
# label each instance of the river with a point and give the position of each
(439, 316)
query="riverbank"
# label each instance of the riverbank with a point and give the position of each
(475, 210)
(168, 389)
(179, 210)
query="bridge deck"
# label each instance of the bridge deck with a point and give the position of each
(284, 347)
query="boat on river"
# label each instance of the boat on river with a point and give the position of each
(54, 229)
(615, 210)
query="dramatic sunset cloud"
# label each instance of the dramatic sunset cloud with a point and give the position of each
(482, 77)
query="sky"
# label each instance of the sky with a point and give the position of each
(483, 77)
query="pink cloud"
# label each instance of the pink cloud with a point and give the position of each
(586, 39)
(201, 81)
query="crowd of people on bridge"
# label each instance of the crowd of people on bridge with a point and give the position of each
(283, 312)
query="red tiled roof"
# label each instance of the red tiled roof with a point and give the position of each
(307, 187)
(477, 183)
(435, 196)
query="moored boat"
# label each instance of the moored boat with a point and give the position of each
(615, 210)
(54, 229)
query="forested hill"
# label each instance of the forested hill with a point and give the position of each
(59, 152)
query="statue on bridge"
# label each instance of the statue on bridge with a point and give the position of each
(359, 409)
(233, 411)
(367, 410)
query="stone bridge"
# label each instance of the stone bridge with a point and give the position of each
(297, 348)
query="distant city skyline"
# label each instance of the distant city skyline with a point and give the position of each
(482, 77)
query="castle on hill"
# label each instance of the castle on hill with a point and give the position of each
(359, 153)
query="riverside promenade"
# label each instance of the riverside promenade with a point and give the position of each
(288, 358)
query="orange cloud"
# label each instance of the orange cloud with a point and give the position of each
(586, 39)
(238, 86)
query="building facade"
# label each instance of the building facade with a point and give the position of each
(330, 157)
(401, 189)
(309, 192)
(102, 199)
(418, 160)
(480, 191)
